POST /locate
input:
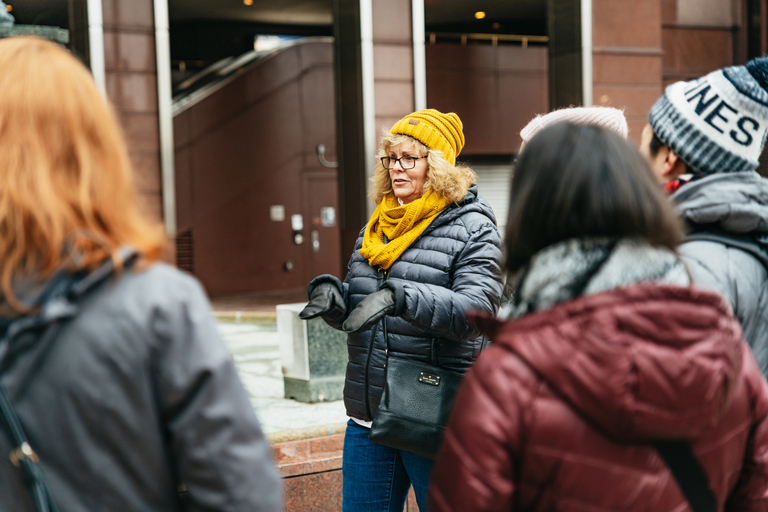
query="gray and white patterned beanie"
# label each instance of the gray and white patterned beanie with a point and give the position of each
(717, 123)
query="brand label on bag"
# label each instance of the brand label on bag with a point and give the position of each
(426, 378)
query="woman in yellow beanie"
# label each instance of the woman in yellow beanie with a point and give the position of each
(430, 253)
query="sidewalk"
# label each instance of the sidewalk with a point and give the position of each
(247, 324)
(257, 357)
(306, 438)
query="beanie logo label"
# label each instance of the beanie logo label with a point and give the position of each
(414, 122)
(718, 114)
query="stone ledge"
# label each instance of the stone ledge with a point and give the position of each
(311, 472)
(300, 434)
(307, 456)
(246, 317)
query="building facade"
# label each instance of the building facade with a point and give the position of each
(233, 167)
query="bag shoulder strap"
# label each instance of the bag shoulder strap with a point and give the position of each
(689, 474)
(23, 457)
(746, 243)
(687, 471)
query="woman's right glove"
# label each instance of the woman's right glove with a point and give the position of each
(389, 300)
(324, 297)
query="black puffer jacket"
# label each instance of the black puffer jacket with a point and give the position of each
(452, 268)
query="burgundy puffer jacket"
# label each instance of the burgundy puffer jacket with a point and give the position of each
(558, 414)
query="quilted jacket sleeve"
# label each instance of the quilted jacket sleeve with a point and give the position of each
(751, 492)
(741, 279)
(215, 440)
(477, 464)
(476, 286)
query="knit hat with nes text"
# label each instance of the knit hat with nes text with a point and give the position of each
(435, 130)
(717, 123)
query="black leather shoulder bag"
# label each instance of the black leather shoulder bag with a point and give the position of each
(25, 458)
(415, 404)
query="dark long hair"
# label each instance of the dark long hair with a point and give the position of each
(575, 181)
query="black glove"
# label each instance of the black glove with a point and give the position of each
(389, 300)
(324, 298)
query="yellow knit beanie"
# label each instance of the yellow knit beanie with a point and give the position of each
(435, 130)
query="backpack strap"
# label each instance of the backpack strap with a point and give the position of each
(689, 474)
(746, 243)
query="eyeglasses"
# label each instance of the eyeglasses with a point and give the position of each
(406, 162)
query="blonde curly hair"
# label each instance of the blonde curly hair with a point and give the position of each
(450, 181)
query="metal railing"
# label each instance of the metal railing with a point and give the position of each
(494, 39)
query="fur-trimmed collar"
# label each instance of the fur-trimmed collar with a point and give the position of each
(557, 273)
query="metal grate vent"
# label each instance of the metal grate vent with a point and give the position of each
(185, 251)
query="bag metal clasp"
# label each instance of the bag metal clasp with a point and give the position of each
(23, 452)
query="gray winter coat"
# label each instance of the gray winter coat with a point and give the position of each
(452, 268)
(736, 203)
(126, 390)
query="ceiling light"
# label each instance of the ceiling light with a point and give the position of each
(248, 2)
(8, 7)
(479, 15)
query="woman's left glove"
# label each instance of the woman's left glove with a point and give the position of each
(389, 300)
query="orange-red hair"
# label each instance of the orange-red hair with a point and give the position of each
(67, 197)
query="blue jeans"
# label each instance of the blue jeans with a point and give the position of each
(377, 478)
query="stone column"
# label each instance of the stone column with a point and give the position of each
(350, 128)
(78, 29)
(565, 53)
(393, 62)
(131, 84)
(625, 52)
(627, 57)
(374, 88)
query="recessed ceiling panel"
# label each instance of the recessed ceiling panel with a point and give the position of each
(288, 12)
(40, 12)
(446, 12)
(320, 12)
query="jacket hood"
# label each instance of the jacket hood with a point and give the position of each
(646, 362)
(59, 297)
(472, 201)
(734, 202)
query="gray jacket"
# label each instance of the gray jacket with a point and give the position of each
(735, 203)
(451, 268)
(126, 391)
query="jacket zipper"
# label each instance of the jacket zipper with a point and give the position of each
(381, 276)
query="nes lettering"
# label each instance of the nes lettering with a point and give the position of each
(720, 115)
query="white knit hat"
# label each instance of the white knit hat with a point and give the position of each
(607, 117)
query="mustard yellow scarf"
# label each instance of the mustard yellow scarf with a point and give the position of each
(401, 225)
